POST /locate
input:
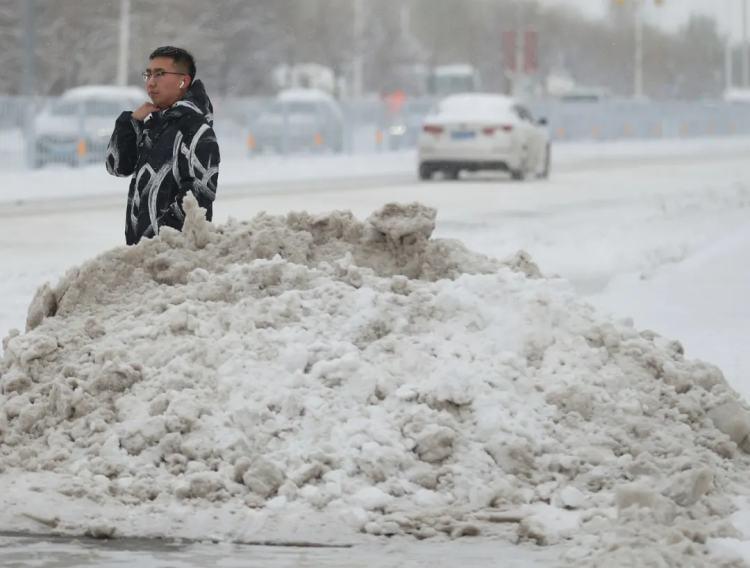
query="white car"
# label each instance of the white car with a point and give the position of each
(75, 127)
(475, 131)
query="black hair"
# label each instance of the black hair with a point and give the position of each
(180, 57)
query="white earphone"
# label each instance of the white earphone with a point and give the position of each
(182, 84)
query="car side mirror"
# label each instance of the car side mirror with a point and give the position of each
(542, 122)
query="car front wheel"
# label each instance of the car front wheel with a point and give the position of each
(425, 172)
(547, 158)
(519, 174)
(451, 173)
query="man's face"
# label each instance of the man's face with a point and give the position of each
(165, 90)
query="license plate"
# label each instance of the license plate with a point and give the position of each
(463, 134)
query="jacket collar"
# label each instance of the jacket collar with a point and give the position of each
(195, 101)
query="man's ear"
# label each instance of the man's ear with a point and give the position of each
(188, 81)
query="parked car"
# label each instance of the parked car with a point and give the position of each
(298, 120)
(75, 127)
(483, 132)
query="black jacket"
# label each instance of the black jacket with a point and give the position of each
(172, 152)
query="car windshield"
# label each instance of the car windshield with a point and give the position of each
(294, 107)
(101, 108)
(64, 108)
(106, 108)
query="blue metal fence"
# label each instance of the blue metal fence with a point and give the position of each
(372, 124)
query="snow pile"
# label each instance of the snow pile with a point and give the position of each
(300, 366)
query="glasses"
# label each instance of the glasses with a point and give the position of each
(158, 74)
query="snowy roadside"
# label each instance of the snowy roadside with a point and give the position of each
(61, 182)
(680, 299)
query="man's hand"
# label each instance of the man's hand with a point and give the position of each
(144, 110)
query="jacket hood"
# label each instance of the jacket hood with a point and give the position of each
(195, 101)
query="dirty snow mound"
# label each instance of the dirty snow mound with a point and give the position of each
(319, 366)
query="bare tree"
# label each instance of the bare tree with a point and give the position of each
(10, 45)
(237, 43)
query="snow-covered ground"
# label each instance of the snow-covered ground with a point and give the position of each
(652, 231)
(268, 173)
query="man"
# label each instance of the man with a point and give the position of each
(167, 145)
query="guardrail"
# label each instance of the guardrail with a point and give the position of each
(609, 120)
(247, 127)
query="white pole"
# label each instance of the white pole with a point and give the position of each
(28, 83)
(122, 59)
(638, 73)
(520, 39)
(745, 66)
(358, 71)
(728, 63)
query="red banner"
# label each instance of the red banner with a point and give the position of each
(530, 51)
